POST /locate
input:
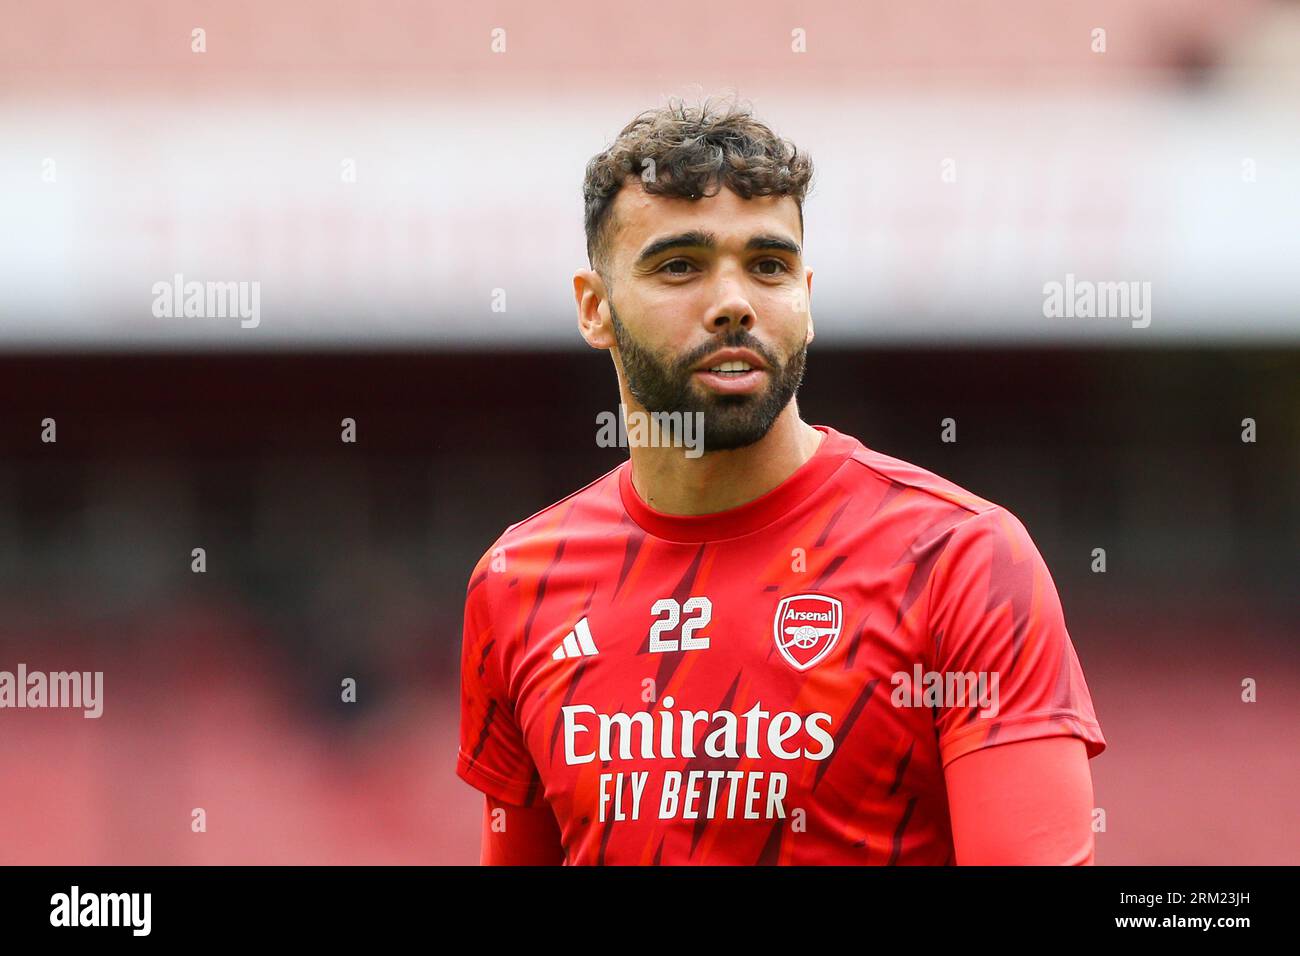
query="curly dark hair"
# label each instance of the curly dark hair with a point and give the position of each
(689, 152)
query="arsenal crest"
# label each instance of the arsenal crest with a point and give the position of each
(806, 627)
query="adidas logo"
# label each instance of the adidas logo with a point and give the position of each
(577, 643)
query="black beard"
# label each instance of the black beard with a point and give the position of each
(730, 421)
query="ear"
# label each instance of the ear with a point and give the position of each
(590, 296)
(808, 279)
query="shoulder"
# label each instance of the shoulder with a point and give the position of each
(588, 498)
(934, 511)
(923, 485)
(592, 508)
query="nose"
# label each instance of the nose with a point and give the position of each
(731, 311)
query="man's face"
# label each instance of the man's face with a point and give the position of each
(703, 288)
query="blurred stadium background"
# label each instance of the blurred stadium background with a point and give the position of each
(126, 158)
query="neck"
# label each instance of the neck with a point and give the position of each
(670, 482)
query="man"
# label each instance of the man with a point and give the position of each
(777, 646)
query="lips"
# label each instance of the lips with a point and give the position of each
(735, 359)
(731, 372)
(731, 383)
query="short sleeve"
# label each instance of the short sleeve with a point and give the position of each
(492, 756)
(1000, 645)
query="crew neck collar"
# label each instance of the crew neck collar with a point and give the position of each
(752, 515)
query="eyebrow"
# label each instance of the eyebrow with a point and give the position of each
(698, 239)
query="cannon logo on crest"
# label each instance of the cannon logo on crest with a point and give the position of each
(806, 627)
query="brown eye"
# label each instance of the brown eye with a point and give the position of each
(781, 266)
(667, 266)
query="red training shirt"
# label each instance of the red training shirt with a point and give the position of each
(782, 682)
